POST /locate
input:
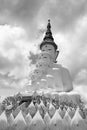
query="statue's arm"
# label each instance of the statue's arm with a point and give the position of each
(67, 81)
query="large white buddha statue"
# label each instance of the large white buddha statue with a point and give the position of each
(49, 74)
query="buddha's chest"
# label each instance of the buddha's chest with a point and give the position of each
(56, 73)
(54, 77)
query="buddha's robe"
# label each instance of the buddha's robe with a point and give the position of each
(61, 78)
(56, 77)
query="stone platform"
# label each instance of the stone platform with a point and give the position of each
(46, 111)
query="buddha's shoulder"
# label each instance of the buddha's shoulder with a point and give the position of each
(60, 67)
(63, 69)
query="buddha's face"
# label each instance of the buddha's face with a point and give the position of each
(51, 50)
(45, 57)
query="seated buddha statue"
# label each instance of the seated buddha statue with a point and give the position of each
(57, 76)
(48, 73)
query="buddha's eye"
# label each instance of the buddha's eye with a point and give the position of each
(49, 49)
(77, 125)
(34, 124)
(55, 124)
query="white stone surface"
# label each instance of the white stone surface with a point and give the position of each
(42, 109)
(42, 105)
(77, 123)
(71, 112)
(10, 119)
(19, 122)
(3, 121)
(23, 109)
(66, 121)
(16, 111)
(62, 112)
(28, 119)
(56, 122)
(47, 119)
(32, 109)
(0, 108)
(37, 122)
(51, 110)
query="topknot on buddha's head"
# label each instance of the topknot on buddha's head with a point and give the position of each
(48, 38)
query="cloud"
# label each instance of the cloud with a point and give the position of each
(33, 58)
(20, 10)
(33, 14)
(81, 77)
(12, 57)
(22, 13)
(63, 13)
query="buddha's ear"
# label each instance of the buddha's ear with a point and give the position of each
(57, 53)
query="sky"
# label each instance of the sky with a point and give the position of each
(22, 27)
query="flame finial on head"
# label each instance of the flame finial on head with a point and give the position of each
(48, 34)
(48, 38)
(49, 25)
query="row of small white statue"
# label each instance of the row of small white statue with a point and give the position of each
(32, 109)
(47, 123)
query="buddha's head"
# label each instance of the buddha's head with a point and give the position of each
(51, 50)
(48, 45)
